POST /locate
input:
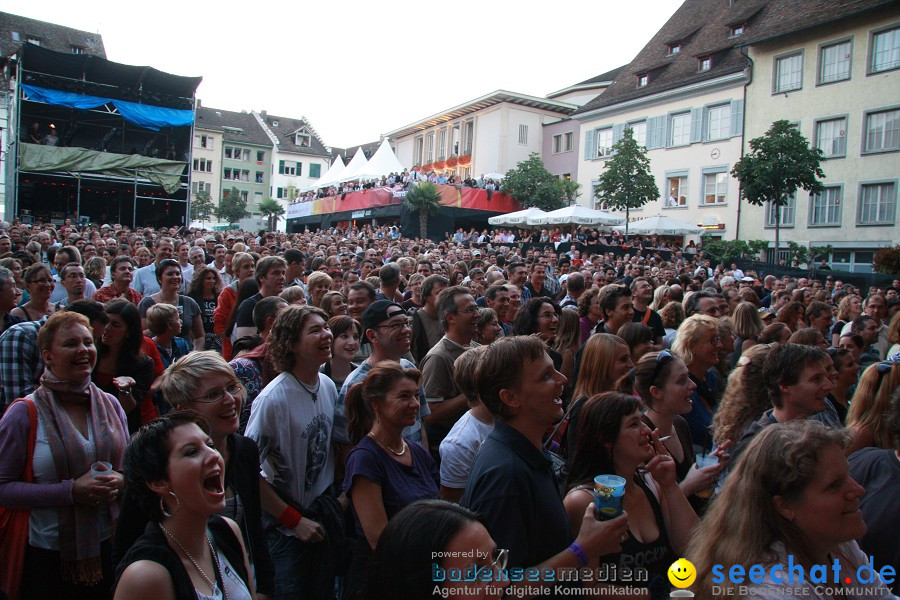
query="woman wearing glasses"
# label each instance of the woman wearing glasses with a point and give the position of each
(203, 382)
(867, 419)
(168, 274)
(698, 344)
(39, 284)
(384, 473)
(455, 536)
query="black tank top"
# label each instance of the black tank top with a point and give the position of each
(655, 556)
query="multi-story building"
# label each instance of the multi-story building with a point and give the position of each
(490, 134)
(206, 164)
(15, 31)
(560, 143)
(683, 97)
(833, 69)
(299, 157)
(245, 158)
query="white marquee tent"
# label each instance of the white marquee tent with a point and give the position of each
(520, 217)
(331, 175)
(660, 225)
(357, 163)
(382, 163)
(576, 215)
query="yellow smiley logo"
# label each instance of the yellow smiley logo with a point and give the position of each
(682, 573)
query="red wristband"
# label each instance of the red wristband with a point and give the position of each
(289, 517)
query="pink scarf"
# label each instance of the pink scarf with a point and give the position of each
(79, 525)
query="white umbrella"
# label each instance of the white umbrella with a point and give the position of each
(576, 215)
(519, 217)
(661, 225)
(493, 176)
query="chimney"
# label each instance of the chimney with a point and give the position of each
(263, 114)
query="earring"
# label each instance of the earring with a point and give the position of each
(162, 506)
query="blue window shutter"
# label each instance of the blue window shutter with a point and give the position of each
(737, 117)
(618, 132)
(696, 125)
(656, 132)
(589, 141)
(704, 129)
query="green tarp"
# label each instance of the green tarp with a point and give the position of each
(166, 173)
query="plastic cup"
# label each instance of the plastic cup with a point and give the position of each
(609, 491)
(101, 467)
(702, 461)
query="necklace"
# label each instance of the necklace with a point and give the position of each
(212, 586)
(312, 392)
(403, 445)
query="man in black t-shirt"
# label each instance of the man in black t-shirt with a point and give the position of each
(641, 297)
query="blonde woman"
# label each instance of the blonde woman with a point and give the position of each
(317, 285)
(867, 419)
(568, 340)
(747, 327)
(698, 344)
(745, 398)
(849, 309)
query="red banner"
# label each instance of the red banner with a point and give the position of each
(451, 196)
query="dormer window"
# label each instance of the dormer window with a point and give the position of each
(643, 80)
(77, 50)
(303, 140)
(737, 30)
(33, 40)
(705, 63)
(274, 123)
(15, 36)
(674, 48)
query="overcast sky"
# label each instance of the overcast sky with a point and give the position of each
(355, 69)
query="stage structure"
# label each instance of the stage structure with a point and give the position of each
(99, 141)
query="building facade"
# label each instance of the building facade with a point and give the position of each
(491, 134)
(839, 82)
(299, 157)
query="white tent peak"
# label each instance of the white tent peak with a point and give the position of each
(356, 164)
(382, 163)
(331, 175)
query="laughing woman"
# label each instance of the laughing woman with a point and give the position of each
(203, 381)
(72, 513)
(187, 550)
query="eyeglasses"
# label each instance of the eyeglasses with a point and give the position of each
(41, 281)
(499, 560)
(76, 276)
(397, 325)
(217, 395)
(885, 367)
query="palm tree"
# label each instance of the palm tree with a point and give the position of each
(272, 210)
(425, 199)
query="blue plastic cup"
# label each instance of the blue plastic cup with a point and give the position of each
(609, 491)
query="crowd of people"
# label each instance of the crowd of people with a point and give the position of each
(355, 414)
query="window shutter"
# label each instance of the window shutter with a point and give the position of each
(696, 125)
(618, 132)
(656, 132)
(281, 167)
(299, 168)
(589, 142)
(737, 117)
(278, 193)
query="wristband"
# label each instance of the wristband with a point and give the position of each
(289, 517)
(579, 553)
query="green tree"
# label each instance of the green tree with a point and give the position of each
(779, 162)
(232, 208)
(272, 210)
(425, 199)
(626, 181)
(202, 207)
(533, 185)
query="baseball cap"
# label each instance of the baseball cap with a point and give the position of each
(748, 279)
(380, 311)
